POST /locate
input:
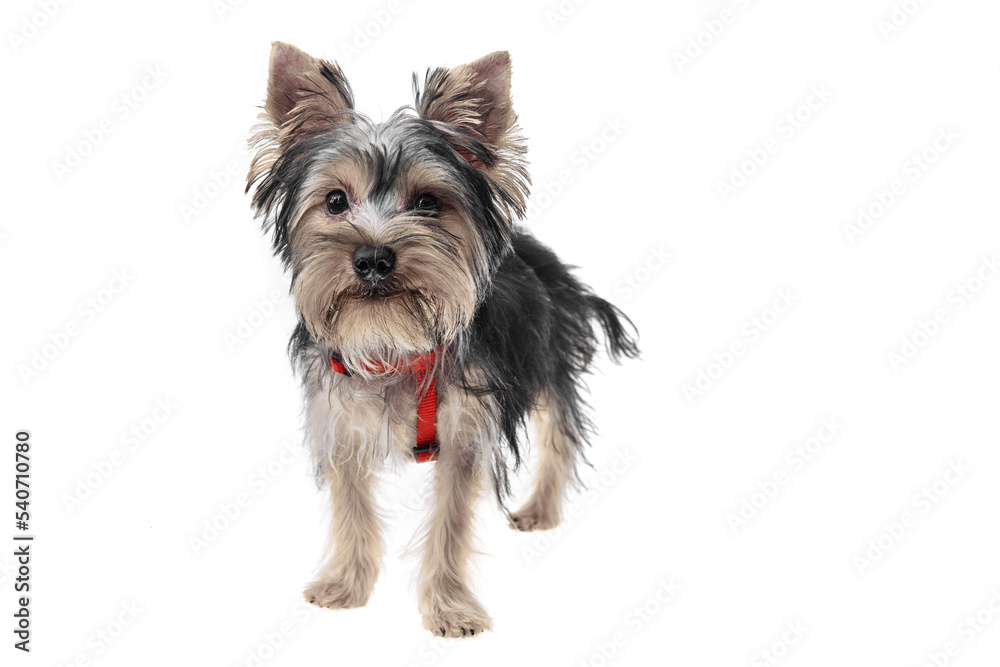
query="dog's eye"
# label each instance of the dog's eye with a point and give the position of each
(337, 202)
(426, 203)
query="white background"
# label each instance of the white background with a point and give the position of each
(192, 326)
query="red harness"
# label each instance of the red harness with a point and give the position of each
(426, 448)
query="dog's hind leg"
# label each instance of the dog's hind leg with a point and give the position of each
(556, 471)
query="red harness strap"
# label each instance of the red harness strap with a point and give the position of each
(426, 448)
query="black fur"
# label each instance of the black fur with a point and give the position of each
(535, 327)
(534, 332)
(276, 194)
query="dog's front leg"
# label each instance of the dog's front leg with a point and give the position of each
(348, 576)
(448, 606)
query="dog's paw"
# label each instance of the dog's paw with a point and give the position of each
(337, 594)
(457, 622)
(530, 518)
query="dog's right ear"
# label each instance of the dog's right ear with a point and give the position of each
(305, 96)
(305, 91)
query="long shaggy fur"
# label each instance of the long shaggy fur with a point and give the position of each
(514, 330)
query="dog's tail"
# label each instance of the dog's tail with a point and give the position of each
(620, 334)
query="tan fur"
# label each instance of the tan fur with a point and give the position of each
(296, 87)
(354, 431)
(354, 428)
(448, 606)
(300, 100)
(358, 425)
(335, 306)
(347, 578)
(556, 471)
(475, 98)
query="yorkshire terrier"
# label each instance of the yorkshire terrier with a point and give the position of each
(430, 326)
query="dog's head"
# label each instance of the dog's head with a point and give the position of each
(392, 230)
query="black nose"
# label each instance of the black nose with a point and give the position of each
(373, 265)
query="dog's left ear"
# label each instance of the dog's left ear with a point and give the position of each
(475, 98)
(471, 105)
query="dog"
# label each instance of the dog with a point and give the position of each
(431, 326)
